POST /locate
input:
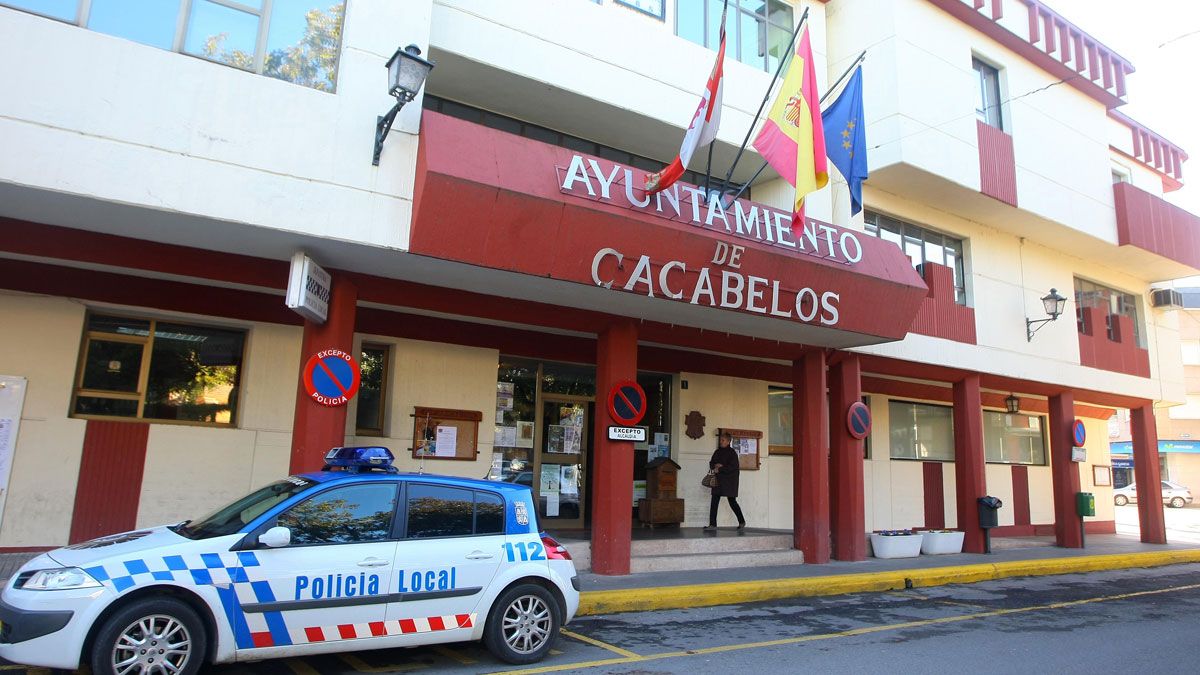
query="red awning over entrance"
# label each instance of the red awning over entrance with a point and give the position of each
(501, 201)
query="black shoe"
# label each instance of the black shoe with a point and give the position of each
(710, 528)
(741, 528)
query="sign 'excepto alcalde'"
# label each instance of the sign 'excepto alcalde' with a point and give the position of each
(635, 434)
(308, 289)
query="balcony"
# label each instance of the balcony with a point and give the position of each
(1107, 342)
(1168, 232)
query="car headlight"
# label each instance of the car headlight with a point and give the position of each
(61, 579)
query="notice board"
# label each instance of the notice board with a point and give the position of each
(746, 443)
(442, 433)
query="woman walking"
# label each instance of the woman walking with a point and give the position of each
(725, 462)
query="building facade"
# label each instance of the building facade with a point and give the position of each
(499, 271)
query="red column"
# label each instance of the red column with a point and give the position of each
(1147, 473)
(970, 478)
(848, 518)
(317, 428)
(810, 457)
(612, 461)
(1064, 472)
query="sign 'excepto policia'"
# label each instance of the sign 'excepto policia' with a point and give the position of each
(331, 377)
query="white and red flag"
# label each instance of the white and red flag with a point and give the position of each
(703, 128)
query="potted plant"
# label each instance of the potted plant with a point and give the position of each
(939, 542)
(896, 543)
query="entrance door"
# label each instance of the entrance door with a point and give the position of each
(559, 483)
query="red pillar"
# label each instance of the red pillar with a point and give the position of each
(612, 482)
(848, 518)
(1064, 472)
(970, 477)
(1147, 474)
(317, 428)
(810, 457)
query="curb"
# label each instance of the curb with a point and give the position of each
(737, 592)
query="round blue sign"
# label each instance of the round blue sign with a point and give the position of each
(858, 420)
(1078, 433)
(331, 377)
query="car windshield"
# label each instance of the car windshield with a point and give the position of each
(233, 517)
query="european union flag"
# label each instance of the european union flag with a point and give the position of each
(846, 137)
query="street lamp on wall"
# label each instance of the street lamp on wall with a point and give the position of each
(1012, 404)
(1054, 305)
(406, 73)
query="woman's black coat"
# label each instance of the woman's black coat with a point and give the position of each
(727, 476)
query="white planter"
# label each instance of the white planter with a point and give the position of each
(901, 546)
(939, 543)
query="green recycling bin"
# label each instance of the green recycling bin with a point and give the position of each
(1085, 504)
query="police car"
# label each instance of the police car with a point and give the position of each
(354, 557)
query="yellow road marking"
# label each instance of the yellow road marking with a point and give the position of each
(450, 653)
(29, 670)
(362, 667)
(301, 668)
(846, 633)
(598, 643)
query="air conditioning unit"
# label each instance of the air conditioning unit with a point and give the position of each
(1166, 298)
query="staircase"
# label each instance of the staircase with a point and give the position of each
(694, 549)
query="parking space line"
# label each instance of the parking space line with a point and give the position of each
(301, 668)
(598, 643)
(456, 656)
(866, 630)
(362, 666)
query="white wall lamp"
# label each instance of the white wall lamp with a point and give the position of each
(406, 73)
(1054, 304)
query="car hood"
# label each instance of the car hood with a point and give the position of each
(122, 546)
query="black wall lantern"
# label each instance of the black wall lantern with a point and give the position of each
(1054, 304)
(406, 73)
(1012, 404)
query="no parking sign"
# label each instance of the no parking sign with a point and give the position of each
(331, 377)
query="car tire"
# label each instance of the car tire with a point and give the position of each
(1121, 500)
(161, 624)
(523, 624)
(1177, 503)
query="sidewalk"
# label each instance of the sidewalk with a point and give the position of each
(700, 588)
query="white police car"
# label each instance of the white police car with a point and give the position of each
(340, 560)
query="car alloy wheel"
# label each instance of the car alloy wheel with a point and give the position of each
(1177, 503)
(152, 644)
(523, 624)
(526, 624)
(1121, 500)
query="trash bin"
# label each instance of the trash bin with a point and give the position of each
(1085, 504)
(989, 508)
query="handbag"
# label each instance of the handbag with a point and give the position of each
(710, 479)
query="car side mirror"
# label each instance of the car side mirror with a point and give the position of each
(276, 537)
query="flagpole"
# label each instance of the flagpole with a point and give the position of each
(862, 55)
(708, 166)
(786, 57)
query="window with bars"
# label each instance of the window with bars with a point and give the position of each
(1114, 302)
(294, 40)
(158, 370)
(922, 245)
(757, 32)
(562, 140)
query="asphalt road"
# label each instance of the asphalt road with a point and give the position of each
(1124, 621)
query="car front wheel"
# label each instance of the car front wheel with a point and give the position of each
(1121, 500)
(1177, 503)
(153, 635)
(523, 624)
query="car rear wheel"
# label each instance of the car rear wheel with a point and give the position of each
(153, 635)
(1177, 503)
(523, 624)
(1121, 500)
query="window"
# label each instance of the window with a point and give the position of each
(233, 517)
(1114, 302)
(537, 133)
(1120, 174)
(922, 246)
(294, 40)
(987, 106)
(757, 32)
(779, 422)
(921, 431)
(347, 515)
(372, 390)
(1013, 439)
(441, 511)
(158, 370)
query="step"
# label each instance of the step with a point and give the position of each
(724, 543)
(714, 561)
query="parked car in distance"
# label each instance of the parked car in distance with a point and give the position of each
(1173, 494)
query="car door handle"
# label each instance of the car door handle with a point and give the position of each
(479, 555)
(372, 562)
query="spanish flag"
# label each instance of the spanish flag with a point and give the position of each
(792, 138)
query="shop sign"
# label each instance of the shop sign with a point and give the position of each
(308, 289)
(331, 377)
(619, 186)
(635, 434)
(728, 288)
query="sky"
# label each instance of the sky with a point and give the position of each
(1162, 40)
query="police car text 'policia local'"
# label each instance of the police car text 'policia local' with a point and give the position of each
(357, 556)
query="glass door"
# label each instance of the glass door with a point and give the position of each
(562, 447)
